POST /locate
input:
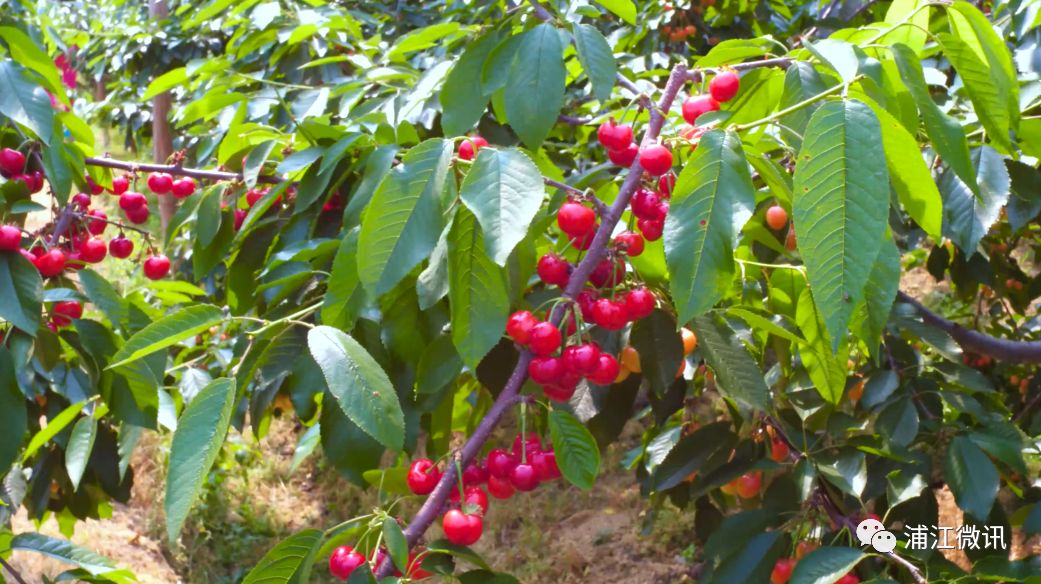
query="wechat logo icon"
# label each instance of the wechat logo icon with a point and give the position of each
(872, 532)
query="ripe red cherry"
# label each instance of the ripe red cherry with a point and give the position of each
(560, 392)
(130, 201)
(462, 529)
(12, 162)
(474, 474)
(183, 187)
(499, 463)
(609, 314)
(615, 136)
(51, 263)
(120, 184)
(10, 238)
(344, 562)
(776, 217)
(586, 299)
(607, 272)
(639, 303)
(519, 326)
(848, 579)
(157, 267)
(724, 86)
(581, 359)
(651, 229)
(240, 218)
(35, 183)
(544, 338)
(121, 247)
(500, 488)
(469, 147)
(475, 498)
(545, 370)
(665, 185)
(81, 200)
(625, 156)
(629, 242)
(696, 105)
(524, 478)
(93, 250)
(582, 242)
(532, 444)
(95, 188)
(545, 464)
(779, 451)
(607, 370)
(415, 567)
(644, 204)
(656, 159)
(782, 571)
(423, 476)
(663, 210)
(96, 226)
(575, 219)
(748, 485)
(160, 183)
(553, 269)
(139, 215)
(64, 313)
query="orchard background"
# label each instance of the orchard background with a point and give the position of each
(500, 291)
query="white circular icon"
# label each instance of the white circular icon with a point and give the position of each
(883, 542)
(867, 530)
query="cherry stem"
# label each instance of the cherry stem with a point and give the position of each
(119, 224)
(524, 432)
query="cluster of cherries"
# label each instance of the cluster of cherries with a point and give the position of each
(12, 167)
(135, 204)
(345, 560)
(784, 567)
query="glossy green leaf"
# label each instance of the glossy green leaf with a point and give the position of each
(987, 92)
(826, 565)
(711, 201)
(658, 341)
(737, 374)
(971, 27)
(54, 426)
(167, 331)
(827, 369)
(912, 32)
(624, 9)
(13, 418)
(432, 283)
(1004, 441)
(165, 82)
(535, 87)
(439, 366)
(208, 219)
(879, 294)
(21, 292)
(340, 306)
(396, 544)
(898, 423)
(750, 562)
(477, 292)
(691, 452)
(289, 562)
(971, 476)
(349, 448)
(103, 295)
(597, 59)
(77, 452)
(69, 553)
(26, 52)
(1025, 202)
(840, 207)
(305, 447)
(578, 456)
(25, 102)
(420, 38)
(966, 217)
(462, 102)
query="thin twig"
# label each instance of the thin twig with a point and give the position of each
(13, 572)
(913, 569)
(176, 170)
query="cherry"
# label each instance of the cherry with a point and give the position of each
(639, 303)
(93, 250)
(553, 269)
(139, 215)
(500, 462)
(423, 476)
(183, 187)
(519, 326)
(609, 314)
(776, 217)
(544, 338)
(586, 299)
(582, 242)
(95, 188)
(651, 229)
(782, 571)
(581, 359)
(524, 478)
(848, 579)
(779, 451)
(96, 226)
(240, 218)
(607, 272)
(663, 210)
(560, 392)
(120, 184)
(344, 562)
(157, 267)
(575, 219)
(665, 185)
(625, 156)
(469, 147)
(532, 444)
(254, 195)
(803, 548)
(64, 313)
(615, 136)
(630, 242)
(644, 204)
(790, 243)
(748, 485)
(415, 567)
(81, 200)
(695, 106)
(656, 159)
(724, 86)
(160, 183)
(462, 529)
(545, 464)
(121, 247)
(10, 238)
(475, 496)
(545, 370)
(607, 370)
(500, 488)
(131, 201)
(35, 183)
(12, 162)
(474, 474)
(51, 263)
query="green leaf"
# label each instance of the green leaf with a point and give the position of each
(597, 59)
(985, 91)
(404, 230)
(967, 217)
(67, 552)
(396, 544)
(254, 162)
(1025, 202)
(419, 39)
(691, 452)
(28, 54)
(879, 294)
(359, 385)
(657, 340)
(167, 331)
(439, 365)
(77, 452)
(577, 453)
(971, 27)
(826, 369)
(840, 207)
(898, 422)
(289, 562)
(504, 189)
(196, 445)
(339, 308)
(752, 562)
(432, 283)
(462, 100)
(733, 51)
(21, 292)
(24, 102)
(535, 87)
(305, 447)
(477, 291)
(847, 470)
(711, 201)
(737, 374)
(209, 216)
(166, 82)
(913, 33)
(971, 476)
(1003, 441)
(826, 565)
(13, 418)
(54, 426)
(345, 445)
(624, 9)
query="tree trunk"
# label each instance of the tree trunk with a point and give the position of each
(162, 138)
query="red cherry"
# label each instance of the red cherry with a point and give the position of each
(582, 242)
(160, 183)
(544, 338)
(586, 299)
(581, 359)
(95, 188)
(524, 478)
(64, 313)
(553, 269)
(532, 444)
(474, 474)
(615, 136)
(848, 579)
(254, 195)
(500, 488)
(624, 157)
(782, 571)
(639, 303)
(651, 229)
(51, 263)
(519, 326)
(157, 267)
(469, 147)
(779, 451)
(607, 273)
(644, 204)
(120, 184)
(415, 567)
(776, 217)
(607, 370)
(131, 201)
(344, 562)
(575, 219)
(10, 238)
(545, 464)
(499, 463)
(560, 392)
(96, 226)
(748, 485)
(422, 476)
(462, 529)
(12, 162)
(724, 86)
(695, 106)
(183, 187)
(656, 159)
(139, 215)
(93, 250)
(240, 218)
(475, 497)
(35, 182)
(609, 314)
(81, 200)
(121, 247)
(665, 185)
(630, 242)
(545, 370)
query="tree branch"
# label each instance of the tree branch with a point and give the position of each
(176, 170)
(12, 571)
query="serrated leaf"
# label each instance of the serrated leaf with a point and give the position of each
(504, 190)
(462, 101)
(27, 53)
(984, 90)
(67, 552)
(196, 445)
(477, 291)
(77, 452)
(826, 565)
(971, 476)
(289, 562)
(737, 374)
(577, 453)
(1025, 202)
(840, 207)
(898, 422)
(420, 38)
(21, 292)
(967, 217)
(13, 418)
(1003, 441)
(405, 228)
(657, 340)
(912, 33)
(359, 384)
(711, 201)
(396, 544)
(349, 448)
(847, 470)
(24, 102)
(432, 283)
(879, 294)
(167, 331)
(826, 369)
(597, 59)
(534, 90)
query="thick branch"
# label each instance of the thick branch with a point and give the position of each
(176, 170)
